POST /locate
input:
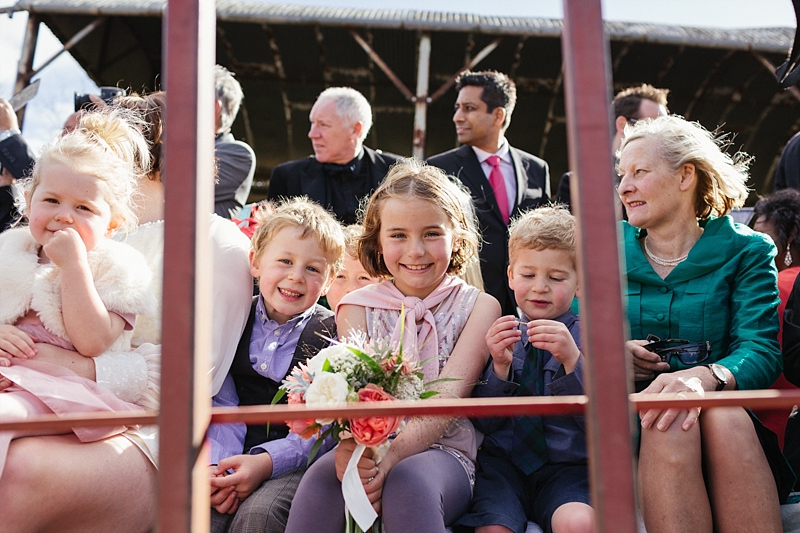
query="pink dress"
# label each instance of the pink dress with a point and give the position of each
(31, 297)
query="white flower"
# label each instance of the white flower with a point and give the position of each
(327, 390)
(330, 353)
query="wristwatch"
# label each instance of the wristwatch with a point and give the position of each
(719, 374)
(5, 134)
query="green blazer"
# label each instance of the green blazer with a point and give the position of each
(725, 292)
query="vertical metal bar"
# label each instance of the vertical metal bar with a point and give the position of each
(25, 65)
(421, 101)
(185, 406)
(587, 94)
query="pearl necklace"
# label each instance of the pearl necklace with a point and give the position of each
(663, 262)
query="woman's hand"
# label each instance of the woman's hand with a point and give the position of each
(15, 343)
(83, 366)
(683, 384)
(645, 362)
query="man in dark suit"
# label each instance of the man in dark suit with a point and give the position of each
(236, 161)
(16, 162)
(342, 170)
(485, 162)
(628, 107)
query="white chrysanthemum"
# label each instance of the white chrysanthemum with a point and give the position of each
(327, 390)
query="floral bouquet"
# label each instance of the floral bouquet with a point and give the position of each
(354, 370)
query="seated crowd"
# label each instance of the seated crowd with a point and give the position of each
(463, 261)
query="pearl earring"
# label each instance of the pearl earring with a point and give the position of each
(787, 259)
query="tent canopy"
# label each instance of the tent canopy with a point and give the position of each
(284, 56)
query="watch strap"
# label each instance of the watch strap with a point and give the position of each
(5, 134)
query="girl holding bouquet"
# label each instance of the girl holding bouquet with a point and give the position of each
(416, 232)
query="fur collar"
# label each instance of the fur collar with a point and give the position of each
(120, 274)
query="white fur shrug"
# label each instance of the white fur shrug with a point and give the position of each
(120, 274)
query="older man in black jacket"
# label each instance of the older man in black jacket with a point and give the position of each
(342, 170)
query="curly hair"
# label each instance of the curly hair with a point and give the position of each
(411, 178)
(152, 108)
(782, 209)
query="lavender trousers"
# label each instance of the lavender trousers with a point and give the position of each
(424, 492)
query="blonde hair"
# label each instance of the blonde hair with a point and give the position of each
(351, 235)
(544, 228)
(300, 212)
(411, 178)
(721, 179)
(107, 144)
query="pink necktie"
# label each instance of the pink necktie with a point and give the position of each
(498, 183)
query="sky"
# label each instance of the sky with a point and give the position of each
(46, 113)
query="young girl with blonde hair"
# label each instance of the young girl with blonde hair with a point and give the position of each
(64, 281)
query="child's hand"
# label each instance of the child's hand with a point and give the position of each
(223, 499)
(248, 473)
(500, 339)
(554, 337)
(65, 248)
(15, 343)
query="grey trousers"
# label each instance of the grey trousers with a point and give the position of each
(265, 511)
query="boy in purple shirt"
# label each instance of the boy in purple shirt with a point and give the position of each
(534, 468)
(296, 251)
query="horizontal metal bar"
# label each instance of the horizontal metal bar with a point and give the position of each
(473, 407)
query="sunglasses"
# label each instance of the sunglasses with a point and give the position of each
(688, 353)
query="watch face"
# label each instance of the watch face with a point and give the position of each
(719, 374)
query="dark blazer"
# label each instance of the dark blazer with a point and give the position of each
(533, 189)
(18, 159)
(306, 177)
(255, 389)
(236, 164)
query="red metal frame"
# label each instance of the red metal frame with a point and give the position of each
(189, 53)
(609, 420)
(185, 414)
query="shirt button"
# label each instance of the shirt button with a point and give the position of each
(263, 366)
(663, 290)
(660, 316)
(277, 332)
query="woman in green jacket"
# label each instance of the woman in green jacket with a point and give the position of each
(693, 274)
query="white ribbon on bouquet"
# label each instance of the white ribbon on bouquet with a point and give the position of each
(356, 502)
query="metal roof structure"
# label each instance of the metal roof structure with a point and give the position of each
(285, 55)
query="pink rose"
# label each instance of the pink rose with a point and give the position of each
(373, 430)
(305, 428)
